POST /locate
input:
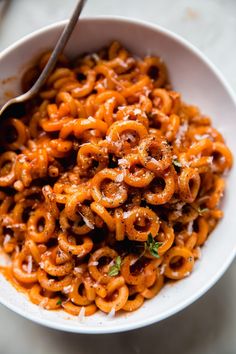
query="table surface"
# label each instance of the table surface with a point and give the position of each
(209, 325)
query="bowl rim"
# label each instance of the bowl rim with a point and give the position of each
(79, 328)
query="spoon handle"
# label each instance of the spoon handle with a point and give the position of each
(56, 52)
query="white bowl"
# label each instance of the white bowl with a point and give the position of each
(199, 83)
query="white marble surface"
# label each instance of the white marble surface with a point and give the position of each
(209, 325)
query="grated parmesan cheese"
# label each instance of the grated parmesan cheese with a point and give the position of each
(43, 304)
(122, 63)
(162, 269)
(111, 263)
(93, 264)
(137, 111)
(126, 214)
(190, 227)
(105, 83)
(91, 119)
(5, 260)
(130, 137)
(30, 265)
(153, 160)
(119, 177)
(199, 252)
(41, 264)
(182, 130)
(175, 274)
(123, 162)
(210, 160)
(67, 289)
(99, 86)
(95, 57)
(7, 238)
(81, 314)
(78, 270)
(201, 137)
(111, 100)
(133, 261)
(40, 228)
(87, 221)
(111, 314)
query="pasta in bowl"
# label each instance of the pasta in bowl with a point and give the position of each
(110, 184)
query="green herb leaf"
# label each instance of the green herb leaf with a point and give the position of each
(59, 302)
(202, 210)
(153, 246)
(176, 163)
(115, 269)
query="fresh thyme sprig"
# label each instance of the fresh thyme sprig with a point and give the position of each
(115, 268)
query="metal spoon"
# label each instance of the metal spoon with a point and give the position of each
(51, 62)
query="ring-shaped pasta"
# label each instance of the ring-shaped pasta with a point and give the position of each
(14, 134)
(154, 154)
(57, 270)
(91, 158)
(113, 303)
(96, 274)
(170, 129)
(135, 174)
(88, 86)
(68, 225)
(203, 230)
(78, 296)
(117, 191)
(76, 310)
(68, 244)
(53, 284)
(7, 168)
(26, 276)
(222, 157)
(140, 222)
(126, 271)
(104, 96)
(35, 250)
(166, 236)
(79, 126)
(120, 224)
(155, 68)
(140, 85)
(76, 200)
(22, 209)
(189, 184)
(153, 290)
(183, 269)
(133, 303)
(49, 303)
(41, 225)
(70, 102)
(159, 194)
(219, 186)
(104, 215)
(128, 131)
(162, 100)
